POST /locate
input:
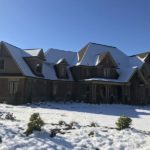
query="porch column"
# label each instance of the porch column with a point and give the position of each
(123, 94)
(107, 87)
(93, 93)
(128, 93)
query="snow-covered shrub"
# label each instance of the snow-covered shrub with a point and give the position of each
(93, 124)
(53, 132)
(9, 116)
(35, 123)
(123, 122)
(91, 134)
(61, 122)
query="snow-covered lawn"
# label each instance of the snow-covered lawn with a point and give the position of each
(105, 136)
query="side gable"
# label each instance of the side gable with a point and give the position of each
(10, 65)
(17, 55)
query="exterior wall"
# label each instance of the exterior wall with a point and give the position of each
(146, 73)
(10, 66)
(5, 96)
(138, 90)
(36, 90)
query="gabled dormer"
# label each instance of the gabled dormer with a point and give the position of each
(36, 53)
(61, 68)
(106, 66)
(35, 60)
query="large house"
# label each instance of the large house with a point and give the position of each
(95, 74)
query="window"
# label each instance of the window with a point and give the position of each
(106, 72)
(12, 87)
(1, 64)
(38, 68)
(62, 71)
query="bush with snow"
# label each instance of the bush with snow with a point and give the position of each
(91, 134)
(123, 122)
(61, 122)
(93, 124)
(35, 124)
(9, 116)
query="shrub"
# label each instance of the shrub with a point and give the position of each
(9, 116)
(53, 133)
(123, 122)
(35, 123)
(93, 124)
(91, 134)
(61, 122)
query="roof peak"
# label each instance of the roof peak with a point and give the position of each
(101, 44)
(59, 50)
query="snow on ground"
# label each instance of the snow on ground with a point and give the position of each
(105, 137)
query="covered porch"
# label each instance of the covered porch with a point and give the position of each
(104, 92)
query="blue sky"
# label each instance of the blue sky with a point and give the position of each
(70, 24)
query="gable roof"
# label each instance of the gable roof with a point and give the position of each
(93, 50)
(18, 54)
(101, 57)
(126, 65)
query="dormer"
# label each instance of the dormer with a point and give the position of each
(106, 65)
(105, 59)
(61, 68)
(35, 60)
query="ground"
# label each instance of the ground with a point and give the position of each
(103, 137)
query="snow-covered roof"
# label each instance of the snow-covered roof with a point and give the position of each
(50, 73)
(18, 55)
(54, 55)
(33, 52)
(94, 50)
(92, 55)
(126, 65)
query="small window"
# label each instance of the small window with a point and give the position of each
(12, 87)
(107, 72)
(62, 71)
(38, 68)
(1, 64)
